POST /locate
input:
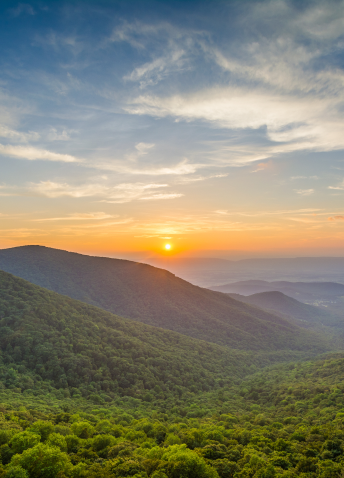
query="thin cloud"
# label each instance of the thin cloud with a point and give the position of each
(340, 186)
(161, 196)
(95, 216)
(121, 193)
(277, 212)
(34, 154)
(143, 148)
(53, 189)
(304, 192)
(6, 132)
(187, 180)
(22, 8)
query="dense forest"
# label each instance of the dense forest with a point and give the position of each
(155, 297)
(286, 421)
(92, 352)
(86, 393)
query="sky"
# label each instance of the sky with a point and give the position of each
(213, 126)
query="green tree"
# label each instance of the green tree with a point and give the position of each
(55, 439)
(17, 472)
(186, 463)
(43, 461)
(83, 429)
(24, 440)
(43, 428)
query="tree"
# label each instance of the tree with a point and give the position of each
(17, 472)
(43, 461)
(24, 440)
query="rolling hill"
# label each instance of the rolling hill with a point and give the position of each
(303, 314)
(86, 350)
(156, 297)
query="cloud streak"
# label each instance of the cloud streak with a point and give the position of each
(35, 154)
(118, 194)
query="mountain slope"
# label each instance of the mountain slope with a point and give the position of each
(77, 345)
(156, 297)
(302, 291)
(277, 302)
(82, 348)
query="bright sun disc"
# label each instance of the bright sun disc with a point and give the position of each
(167, 247)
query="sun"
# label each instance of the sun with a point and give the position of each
(167, 247)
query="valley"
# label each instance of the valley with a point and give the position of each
(179, 380)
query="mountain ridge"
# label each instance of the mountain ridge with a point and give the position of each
(80, 347)
(287, 306)
(155, 297)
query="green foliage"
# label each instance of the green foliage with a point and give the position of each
(24, 440)
(43, 428)
(87, 394)
(61, 346)
(55, 439)
(83, 429)
(17, 472)
(43, 461)
(157, 297)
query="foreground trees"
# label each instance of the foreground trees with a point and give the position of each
(37, 445)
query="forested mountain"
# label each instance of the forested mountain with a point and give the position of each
(302, 291)
(77, 346)
(87, 394)
(303, 314)
(156, 297)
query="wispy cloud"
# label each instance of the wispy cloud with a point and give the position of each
(196, 179)
(151, 73)
(55, 135)
(120, 193)
(336, 218)
(6, 132)
(95, 216)
(313, 123)
(162, 196)
(294, 178)
(304, 192)
(33, 154)
(274, 212)
(340, 186)
(22, 8)
(143, 148)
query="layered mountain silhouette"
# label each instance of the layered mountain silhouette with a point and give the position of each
(156, 297)
(302, 291)
(76, 346)
(303, 314)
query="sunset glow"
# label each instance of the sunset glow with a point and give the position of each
(172, 124)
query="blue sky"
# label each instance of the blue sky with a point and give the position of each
(217, 125)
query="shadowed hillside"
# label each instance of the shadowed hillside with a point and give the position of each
(156, 297)
(305, 315)
(80, 347)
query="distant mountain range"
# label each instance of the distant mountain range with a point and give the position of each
(208, 272)
(302, 314)
(156, 297)
(302, 291)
